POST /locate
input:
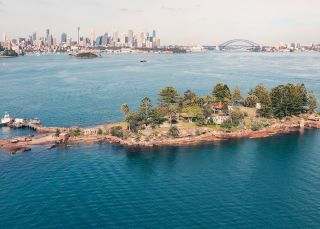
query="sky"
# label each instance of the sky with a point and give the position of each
(183, 22)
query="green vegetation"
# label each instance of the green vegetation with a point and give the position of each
(222, 109)
(76, 132)
(99, 132)
(117, 131)
(289, 100)
(174, 131)
(57, 133)
(259, 125)
(8, 53)
(86, 55)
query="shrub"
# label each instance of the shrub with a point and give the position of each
(174, 131)
(259, 125)
(76, 132)
(226, 124)
(99, 132)
(116, 131)
(236, 117)
(57, 133)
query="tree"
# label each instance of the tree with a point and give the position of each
(125, 109)
(236, 95)
(145, 108)
(264, 99)
(251, 100)
(156, 118)
(134, 121)
(174, 131)
(168, 95)
(236, 116)
(172, 111)
(189, 98)
(313, 102)
(288, 100)
(221, 92)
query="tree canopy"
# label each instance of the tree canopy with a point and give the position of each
(168, 95)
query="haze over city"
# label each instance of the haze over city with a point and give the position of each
(177, 22)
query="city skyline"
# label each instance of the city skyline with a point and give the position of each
(201, 22)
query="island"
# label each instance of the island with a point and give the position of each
(187, 119)
(86, 55)
(8, 54)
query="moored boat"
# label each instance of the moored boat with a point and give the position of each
(5, 120)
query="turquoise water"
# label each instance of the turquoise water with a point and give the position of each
(266, 183)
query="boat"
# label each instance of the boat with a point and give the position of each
(6, 119)
(143, 61)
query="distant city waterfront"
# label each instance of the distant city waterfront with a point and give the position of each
(244, 183)
(131, 42)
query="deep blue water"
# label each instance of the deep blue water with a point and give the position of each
(268, 183)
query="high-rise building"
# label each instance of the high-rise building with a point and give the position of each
(34, 36)
(154, 35)
(47, 34)
(50, 40)
(115, 37)
(4, 37)
(63, 38)
(105, 39)
(92, 36)
(78, 36)
(130, 38)
(99, 40)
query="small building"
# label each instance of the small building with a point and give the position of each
(187, 117)
(217, 107)
(219, 119)
(90, 131)
(64, 137)
(258, 106)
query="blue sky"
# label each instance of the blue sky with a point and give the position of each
(176, 21)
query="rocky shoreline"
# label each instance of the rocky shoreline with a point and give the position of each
(211, 137)
(207, 136)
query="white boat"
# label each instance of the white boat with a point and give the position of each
(6, 119)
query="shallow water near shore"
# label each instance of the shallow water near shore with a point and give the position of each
(248, 183)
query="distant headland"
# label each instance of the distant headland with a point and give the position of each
(187, 119)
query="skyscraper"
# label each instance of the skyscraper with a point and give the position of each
(92, 35)
(105, 39)
(63, 38)
(34, 36)
(154, 34)
(115, 37)
(50, 40)
(4, 38)
(47, 34)
(78, 35)
(130, 38)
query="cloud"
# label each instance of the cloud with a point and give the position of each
(130, 10)
(172, 9)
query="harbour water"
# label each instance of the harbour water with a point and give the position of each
(271, 182)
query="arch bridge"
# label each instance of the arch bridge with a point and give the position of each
(240, 44)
